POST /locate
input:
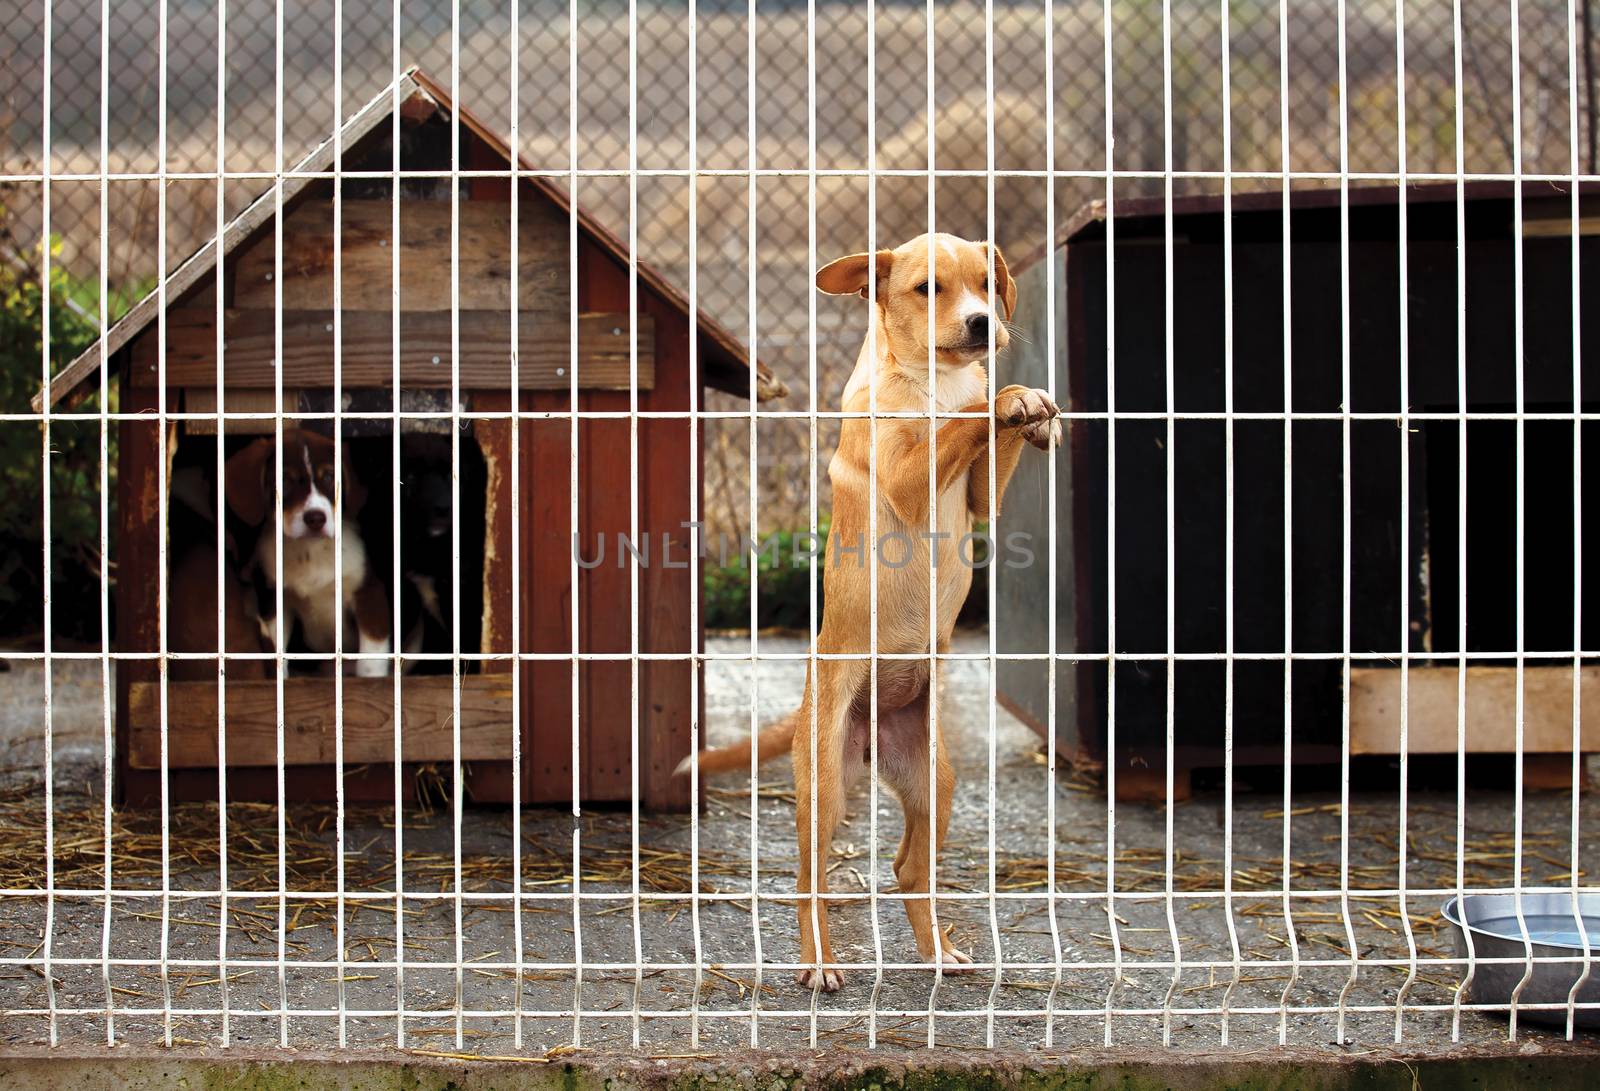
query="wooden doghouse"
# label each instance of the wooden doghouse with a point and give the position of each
(540, 536)
(1386, 566)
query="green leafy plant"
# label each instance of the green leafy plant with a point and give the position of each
(782, 576)
(74, 461)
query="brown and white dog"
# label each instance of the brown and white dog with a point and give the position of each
(310, 506)
(968, 310)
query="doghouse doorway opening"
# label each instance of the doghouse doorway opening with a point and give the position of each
(422, 602)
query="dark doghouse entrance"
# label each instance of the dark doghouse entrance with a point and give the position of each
(1548, 599)
(421, 603)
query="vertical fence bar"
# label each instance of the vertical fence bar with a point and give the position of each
(575, 693)
(1052, 664)
(220, 499)
(280, 663)
(872, 518)
(1518, 353)
(1402, 846)
(394, 502)
(694, 660)
(1344, 479)
(1170, 354)
(514, 306)
(339, 453)
(818, 868)
(1228, 513)
(752, 316)
(163, 590)
(633, 490)
(1285, 163)
(1576, 302)
(989, 460)
(933, 541)
(108, 747)
(458, 778)
(220, 502)
(1457, 56)
(1106, 15)
(45, 300)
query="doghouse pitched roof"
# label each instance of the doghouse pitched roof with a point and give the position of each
(725, 363)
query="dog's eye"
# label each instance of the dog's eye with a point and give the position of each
(923, 288)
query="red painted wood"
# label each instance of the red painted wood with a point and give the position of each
(545, 506)
(139, 464)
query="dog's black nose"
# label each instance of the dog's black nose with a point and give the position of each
(315, 520)
(978, 327)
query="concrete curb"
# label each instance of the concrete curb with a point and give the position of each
(1558, 1065)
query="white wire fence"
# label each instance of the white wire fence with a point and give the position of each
(728, 53)
(447, 817)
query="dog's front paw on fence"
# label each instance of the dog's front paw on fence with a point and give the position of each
(1020, 406)
(1044, 434)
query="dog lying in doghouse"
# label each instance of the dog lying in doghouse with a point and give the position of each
(970, 311)
(312, 506)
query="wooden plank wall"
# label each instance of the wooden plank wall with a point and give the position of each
(139, 530)
(605, 604)
(484, 258)
(366, 340)
(604, 689)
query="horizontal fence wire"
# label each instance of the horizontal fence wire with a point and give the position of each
(584, 881)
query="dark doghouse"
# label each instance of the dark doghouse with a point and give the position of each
(1404, 580)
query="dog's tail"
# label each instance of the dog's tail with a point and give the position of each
(772, 740)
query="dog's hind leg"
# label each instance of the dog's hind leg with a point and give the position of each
(819, 804)
(904, 763)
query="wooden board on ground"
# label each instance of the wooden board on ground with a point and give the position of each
(425, 709)
(1491, 710)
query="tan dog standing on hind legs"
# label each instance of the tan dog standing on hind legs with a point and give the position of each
(965, 323)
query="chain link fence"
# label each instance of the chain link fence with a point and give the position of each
(489, 61)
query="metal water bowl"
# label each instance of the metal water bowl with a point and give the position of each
(1553, 930)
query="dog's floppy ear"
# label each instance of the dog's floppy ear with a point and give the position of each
(245, 481)
(354, 493)
(852, 274)
(1005, 289)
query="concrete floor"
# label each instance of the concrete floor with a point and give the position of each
(671, 936)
